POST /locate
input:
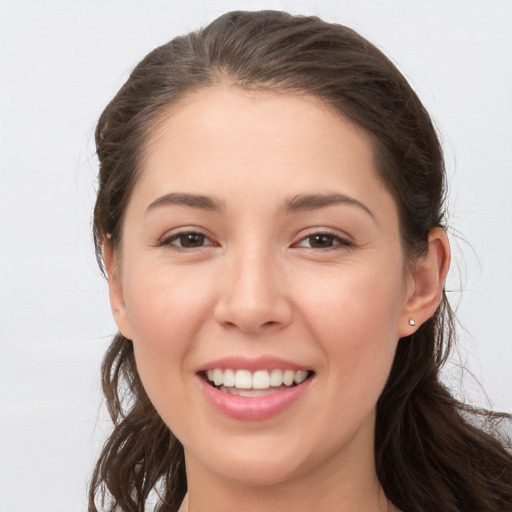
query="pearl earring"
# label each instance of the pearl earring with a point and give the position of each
(412, 322)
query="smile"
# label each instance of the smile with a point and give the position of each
(256, 395)
(254, 384)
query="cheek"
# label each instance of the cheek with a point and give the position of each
(164, 304)
(166, 311)
(354, 318)
(353, 303)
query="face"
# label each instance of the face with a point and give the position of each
(263, 283)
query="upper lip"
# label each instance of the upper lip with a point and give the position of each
(252, 364)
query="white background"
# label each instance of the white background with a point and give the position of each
(60, 62)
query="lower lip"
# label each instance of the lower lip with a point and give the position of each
(253, 408)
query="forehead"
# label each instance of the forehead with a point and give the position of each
(227, 111)
(225, 141)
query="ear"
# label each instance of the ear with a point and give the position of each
(115, 287)
(425, 283)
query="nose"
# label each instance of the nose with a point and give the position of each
(253, 295)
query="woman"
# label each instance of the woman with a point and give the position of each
(270, 218)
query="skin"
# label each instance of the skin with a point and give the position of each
(259, 283)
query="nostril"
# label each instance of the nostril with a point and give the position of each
(252, 316)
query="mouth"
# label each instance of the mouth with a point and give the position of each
(259, 383)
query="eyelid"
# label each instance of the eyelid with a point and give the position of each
(172, 235)
(344, 240)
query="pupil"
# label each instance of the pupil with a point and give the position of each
(192, 240)
(321, 241)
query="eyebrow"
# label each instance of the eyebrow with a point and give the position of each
(296, 204)
(192, 200)
(317, 201)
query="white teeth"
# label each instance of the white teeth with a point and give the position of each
(276, 378)
(250, 393)
(259, 380)
(229, 378)
(243, 379)
(288, 377)
(218, 377)
(300, 376)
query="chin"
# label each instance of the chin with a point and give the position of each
(259, 473)
(257, 464)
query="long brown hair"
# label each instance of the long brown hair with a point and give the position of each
(431, 454)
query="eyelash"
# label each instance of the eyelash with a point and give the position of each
(168, 241)
(334, 239)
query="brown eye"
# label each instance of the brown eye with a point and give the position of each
(324, 241)
(191, 240)
(187, 240)
(321, 241)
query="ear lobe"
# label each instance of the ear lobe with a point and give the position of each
(115, 287)
(426, 283)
